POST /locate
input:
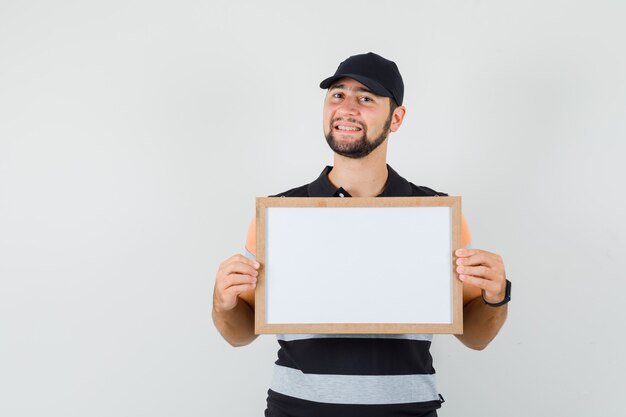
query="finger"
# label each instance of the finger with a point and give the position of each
(235, 290)
(244, 259)
(483, 284)
(239, 258)
(481, 258)
(227, 300)
(236, 267)
(464, 253)
(478, 271)
(239, 279)
(493, 291)
(476, 258)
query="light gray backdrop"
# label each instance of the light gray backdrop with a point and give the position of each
(134, 136)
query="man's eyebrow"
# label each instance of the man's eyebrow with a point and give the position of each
(343, 87)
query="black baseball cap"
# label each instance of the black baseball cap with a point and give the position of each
(373, 71)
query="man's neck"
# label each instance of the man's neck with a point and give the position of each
(364, 177)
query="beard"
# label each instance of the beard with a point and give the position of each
(360, 147)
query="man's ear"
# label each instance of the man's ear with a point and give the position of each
(397, 117)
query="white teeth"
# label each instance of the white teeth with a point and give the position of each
(347, 128)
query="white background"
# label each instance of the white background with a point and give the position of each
(134, 136)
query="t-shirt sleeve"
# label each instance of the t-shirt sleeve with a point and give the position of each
(466, 235)
(251, 240)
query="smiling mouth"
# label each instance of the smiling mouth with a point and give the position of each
(343, 128)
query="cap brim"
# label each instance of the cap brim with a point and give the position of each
(374, 86)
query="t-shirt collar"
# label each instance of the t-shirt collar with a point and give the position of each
(322, 187)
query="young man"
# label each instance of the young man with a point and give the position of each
(364, 375)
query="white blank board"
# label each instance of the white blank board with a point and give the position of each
(360, 265)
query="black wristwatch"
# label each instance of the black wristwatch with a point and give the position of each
(507, 296)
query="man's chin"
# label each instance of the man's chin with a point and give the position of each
(349, 143)
(353, 147)
(355, 151)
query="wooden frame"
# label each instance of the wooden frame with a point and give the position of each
(448, 283)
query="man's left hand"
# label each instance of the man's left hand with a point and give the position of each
(483, 269)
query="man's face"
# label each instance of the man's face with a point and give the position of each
(356, 121)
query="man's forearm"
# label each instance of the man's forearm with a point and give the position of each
(481, 323)
(236, 325)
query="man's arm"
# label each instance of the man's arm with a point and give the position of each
(483, 276)
(233, 300)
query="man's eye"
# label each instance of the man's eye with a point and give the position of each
(366, 99)
(337, 95)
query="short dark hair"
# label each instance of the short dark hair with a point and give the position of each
(392, 106)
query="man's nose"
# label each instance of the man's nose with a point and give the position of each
(348, 108)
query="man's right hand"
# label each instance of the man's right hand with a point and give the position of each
(235, 276)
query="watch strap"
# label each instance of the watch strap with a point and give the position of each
(507, 296)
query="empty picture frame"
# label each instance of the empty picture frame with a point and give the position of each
(380, 265)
